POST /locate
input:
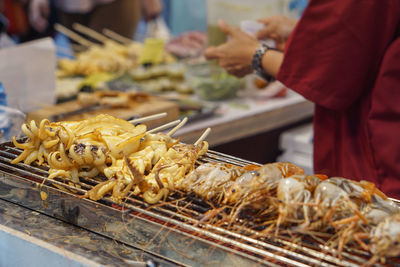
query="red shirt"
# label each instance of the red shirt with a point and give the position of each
(344, 55)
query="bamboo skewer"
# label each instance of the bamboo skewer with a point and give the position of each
(165, 126)
(203, 136)
(180, 125)
(89, 32)
(160, 128)
(117, 37)
(78, 47)
(72, 35)
(149, 118)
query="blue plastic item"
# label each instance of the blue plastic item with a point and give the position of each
(5, 124)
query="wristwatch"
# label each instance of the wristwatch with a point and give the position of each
(256, 63)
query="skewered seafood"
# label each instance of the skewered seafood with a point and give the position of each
(164, 164)
(210, 180)
(228, 184)
(151, 149)
(110, 57)
(172, 167)
(79, 149)
(279, 195)
(385, 240)
(293, 194)
(122, 174)
(122, 152)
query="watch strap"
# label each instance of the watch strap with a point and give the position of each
(256, 63)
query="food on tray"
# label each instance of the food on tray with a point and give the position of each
(112, 98)
(162, 78)
(283, 197)
(230, 184)
(125, 154)
(217, 87)
(278, 195)
(79, 149)
(111, 57)
(211, 82)
(68, 87)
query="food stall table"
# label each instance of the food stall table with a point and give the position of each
(247, 118)
(244, 117)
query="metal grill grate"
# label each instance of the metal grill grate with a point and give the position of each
(178, 219)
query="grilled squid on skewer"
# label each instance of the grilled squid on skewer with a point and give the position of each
(126, 173)
(142, 161)
(169, 170)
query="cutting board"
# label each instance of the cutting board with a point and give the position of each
(153, 105)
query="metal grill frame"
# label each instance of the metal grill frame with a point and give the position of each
(159, 230)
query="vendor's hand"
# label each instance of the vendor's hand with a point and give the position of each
(278, 28)
(151, 9)
(38, 13)
(235, 55)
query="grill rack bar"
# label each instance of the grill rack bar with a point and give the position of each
(258, 247)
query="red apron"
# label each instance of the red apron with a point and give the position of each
(344, 55)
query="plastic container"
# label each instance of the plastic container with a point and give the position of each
(299, 139)
(297, 146)
(10, 119)
(251, 26)
(211, 82)
(235, 11)
(5, 123)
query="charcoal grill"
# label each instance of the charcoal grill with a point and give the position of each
(173, 230)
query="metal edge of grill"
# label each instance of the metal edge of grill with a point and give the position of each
(143, 226)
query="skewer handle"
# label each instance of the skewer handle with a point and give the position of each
(74, 36)
(149, 118)
(89, 32)
(203, 136)
(180, 125)
(117, 37)
(165, 126)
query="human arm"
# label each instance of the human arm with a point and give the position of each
(237, 53)
(39, 11)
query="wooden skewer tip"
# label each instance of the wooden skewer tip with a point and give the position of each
(203, 136)
(180, 125)
(148, 118)
(165, 126)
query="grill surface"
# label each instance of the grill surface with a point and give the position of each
(170, 230)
